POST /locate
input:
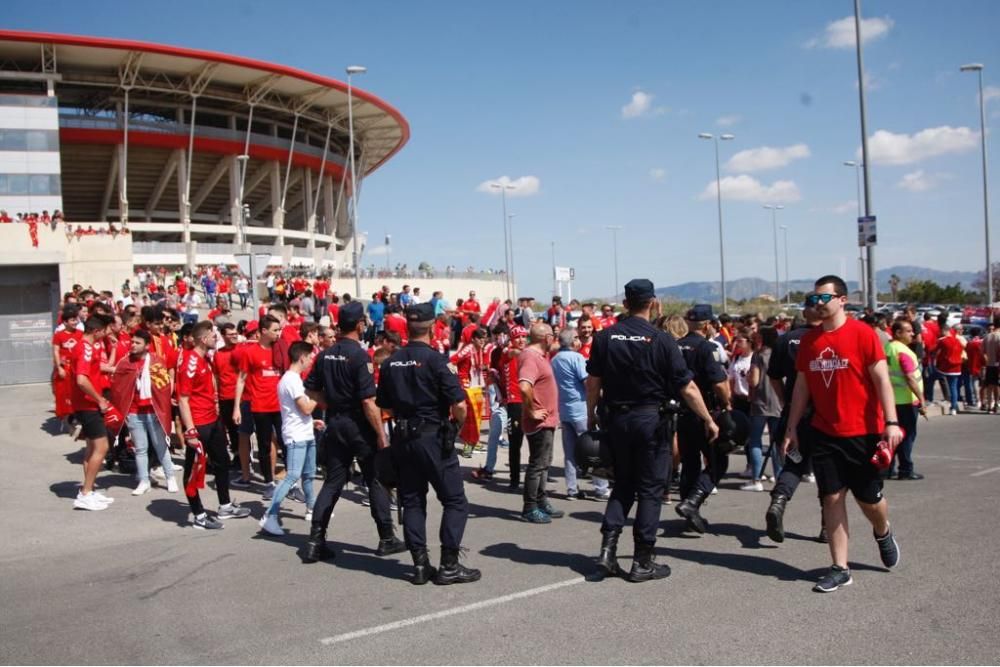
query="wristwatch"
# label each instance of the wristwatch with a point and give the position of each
(892, 423)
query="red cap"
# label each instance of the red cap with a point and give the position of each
(518, 332)
(251, 327)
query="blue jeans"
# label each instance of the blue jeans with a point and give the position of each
(145, 429)
(907, 416)
(953, 390)
(300, 462)
(570, 432)
(755, 448)
(498, 426)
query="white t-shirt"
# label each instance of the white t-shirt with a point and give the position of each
(739, 375)
(295, 426)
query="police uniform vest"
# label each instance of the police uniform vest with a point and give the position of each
(703, 360)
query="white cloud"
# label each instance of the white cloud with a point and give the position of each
(845, 207)
(658, 174)
(641, 105)
(886, 147)
(377, 251)
(765, 157)
(525, 186)
(840, 34)
(748, 188)
(991, 93)
(728, 121)
(919, 181)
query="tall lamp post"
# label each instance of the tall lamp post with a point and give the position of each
(510, 237)
(718, 195)
(503, 188)
(872, 299)
(788, 293)
(862, 285)
(774, 229)
(614, 242)
(978, 68)
(352, 70)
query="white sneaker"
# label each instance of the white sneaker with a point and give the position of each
(269, 524)
(157, 475)
(141, 488)
(171, 484)
(953, 412)
(89, 502)
(752, 486)
(103, 498)
(715, 491)
(309, 516)
(810, 478)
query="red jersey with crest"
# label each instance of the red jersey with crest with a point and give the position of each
(835, 364)
(262, 378)
(196, 380)
(87, 362)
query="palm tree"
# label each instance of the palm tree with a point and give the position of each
(894, 281)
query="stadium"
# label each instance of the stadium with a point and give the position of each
(191, 151)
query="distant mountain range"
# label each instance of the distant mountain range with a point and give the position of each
(748, 288)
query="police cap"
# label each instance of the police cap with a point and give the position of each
(421, 312)
(701, 312)
(350, 314)
(639, 290)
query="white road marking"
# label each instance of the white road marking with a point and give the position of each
(984, 472)
(944, 458)
(406, 622)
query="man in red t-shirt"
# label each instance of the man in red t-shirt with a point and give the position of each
(512, 395)
(540, 398)
(204, 435)
(470, 305)
(585, 329)
(64, 342)
(842, 372)
(226, 375)
(89, 406)
(259, 372)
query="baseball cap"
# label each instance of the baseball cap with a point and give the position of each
(251, 327)
(518, 332)
(701, 312)
(421, 312)
(639, 289)
(350, 315)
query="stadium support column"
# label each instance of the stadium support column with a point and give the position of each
(308, 207)
(235, 211)
(277, 215)
(186, 192)
(324, 187)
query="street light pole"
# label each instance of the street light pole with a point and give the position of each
(555, 284)
(510, 233)
(503, 187)
(862, 285)
(872, 300)
(788, 293)
(978, 67)
(718, 195)
(614, 242)
(774, 229)
(353, 69)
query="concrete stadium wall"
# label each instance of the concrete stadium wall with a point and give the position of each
(99, 261)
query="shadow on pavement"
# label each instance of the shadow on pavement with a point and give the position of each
(509, 551)
(363, 559)
(170, 510)
(593, 517)
(69, 489)
(760, 565)
(53, 426)
(477, 511)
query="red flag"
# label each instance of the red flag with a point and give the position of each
(197, 479)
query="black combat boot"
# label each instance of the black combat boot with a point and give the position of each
(644, 565)
(688, 508)
(775, 517)
(388, 543)
(453, 572)
(316, 548)
(607, 562)
(423, 571)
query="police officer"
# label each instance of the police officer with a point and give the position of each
(342, 381)
(702, 358)
(421, 392)
(634, 371)
(781, 371)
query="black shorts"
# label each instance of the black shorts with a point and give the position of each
(91, 423)
(846, 462)
(992, 377)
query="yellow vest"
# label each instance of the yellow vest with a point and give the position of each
(901, 390)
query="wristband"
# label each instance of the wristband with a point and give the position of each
(892, 423)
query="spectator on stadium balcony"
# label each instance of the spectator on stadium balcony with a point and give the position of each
(4, 217)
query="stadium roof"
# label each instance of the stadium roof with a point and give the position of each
(229, 81)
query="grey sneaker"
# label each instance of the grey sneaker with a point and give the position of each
(232, 511)
(205, 522)
(268, 491)
(888, 549)
(297, 495)
(536, 516)
(836, 578)
(240, 483)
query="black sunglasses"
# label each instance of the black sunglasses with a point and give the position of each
(814, 299)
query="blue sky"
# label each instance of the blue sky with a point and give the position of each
(598, 106)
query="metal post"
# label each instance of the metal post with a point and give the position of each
(722, 253)
(556, 289)
(774, 231)
(614, 243)
(508, 240)
(510, 231)
(986, 191)
(353, 209)
(872, 300)
(788, 292)
(187, 187)
(123, 195)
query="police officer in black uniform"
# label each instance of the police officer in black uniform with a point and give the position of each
(342, 381)
(421, 392)
(702, 357)
(634, 371)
